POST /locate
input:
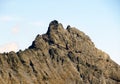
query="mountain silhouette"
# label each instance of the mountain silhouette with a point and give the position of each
(61, 56)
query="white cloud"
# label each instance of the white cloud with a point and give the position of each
(37, 23)
(8, 47)
(10, 18)
(15, 29)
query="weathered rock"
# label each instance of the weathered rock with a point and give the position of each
(61, 56)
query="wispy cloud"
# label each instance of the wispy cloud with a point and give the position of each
(8, 47)
(36, 23)
(10, 18)
(15, 29)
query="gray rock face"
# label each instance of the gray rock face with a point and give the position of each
(61, 56)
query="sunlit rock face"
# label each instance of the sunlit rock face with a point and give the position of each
(61, 56)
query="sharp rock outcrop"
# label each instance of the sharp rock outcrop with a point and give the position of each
(61, 56)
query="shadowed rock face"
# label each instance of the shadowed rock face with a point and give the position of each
(61, 56)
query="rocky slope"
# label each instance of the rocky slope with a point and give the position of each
(61, 56)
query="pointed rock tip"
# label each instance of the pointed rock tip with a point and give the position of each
(54, 26)
(54, 22)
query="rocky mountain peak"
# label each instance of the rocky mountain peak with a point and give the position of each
(54, 26)
(68, 38)
(62, 56)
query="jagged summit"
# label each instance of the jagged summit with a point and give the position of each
(62, 56)
(56, 34)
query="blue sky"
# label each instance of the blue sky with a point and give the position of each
(22, 20)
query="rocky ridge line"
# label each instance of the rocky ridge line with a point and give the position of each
(62, 56)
